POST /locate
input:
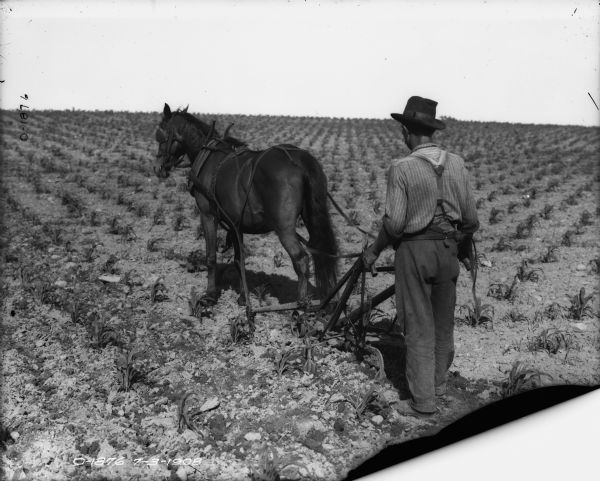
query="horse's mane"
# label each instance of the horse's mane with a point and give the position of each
(205, 128)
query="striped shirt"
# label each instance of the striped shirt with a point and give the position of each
(412, 192)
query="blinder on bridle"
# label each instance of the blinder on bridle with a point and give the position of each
(169, 138)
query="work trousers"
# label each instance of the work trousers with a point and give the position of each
(426, 274)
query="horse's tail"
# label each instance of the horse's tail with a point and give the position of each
(316, 217)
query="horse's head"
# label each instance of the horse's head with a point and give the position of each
(170, 143)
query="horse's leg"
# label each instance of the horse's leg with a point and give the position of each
(209, 225)
(239, 265)
(299, 259)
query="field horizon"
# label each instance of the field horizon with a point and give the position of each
(206, 115)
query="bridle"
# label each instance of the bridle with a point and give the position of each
(171, 138)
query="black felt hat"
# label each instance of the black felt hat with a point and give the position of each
(420, 111)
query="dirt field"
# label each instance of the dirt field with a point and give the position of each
(107, 375)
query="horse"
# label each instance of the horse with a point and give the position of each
(251, 192)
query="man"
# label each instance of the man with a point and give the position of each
(429, 219)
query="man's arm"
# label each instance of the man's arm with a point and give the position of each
(394, 217)
(469, 224)
(470, 220)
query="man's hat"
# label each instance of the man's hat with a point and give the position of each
(420, 111)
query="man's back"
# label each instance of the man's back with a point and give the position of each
(413, 184)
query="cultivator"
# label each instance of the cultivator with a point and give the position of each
(358, 318)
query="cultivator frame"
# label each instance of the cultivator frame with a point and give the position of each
(347, 285)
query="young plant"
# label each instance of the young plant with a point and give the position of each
(261, 292)
(308, 364)
(546, 212)
(526, 274)
(267, 469)
(478, 313)
(496, 215)
(572, 200)
(283, 360)
(129, 373)
(580, 305)
(73, 204)
(586, 218)
(54, 232)
(552, 340)
(549, 255)
(552, 185)
(114, 226)
(578, 227)
(503, 291)
(102, 334)
(532, 192)
(158, 218)
(353, 215)
(152, 244)
(95, 218)
(306, 324)
(88, 253)
(360, 403)
(278, 259)
(76, 311)
(522, 378)
(128, 234)
(515, 316)
(512, 207)
(553, 311)
(40, 290)
(140, 210)
(158, 292)
(109, 265)
(567, 238)
(523, 230)
(241, 329)
(502, 245)
(492, 196)
(198, 306)
(180, 222)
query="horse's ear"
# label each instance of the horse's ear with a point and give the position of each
(167, 111)
(226, 133)
(186, 107)
(212, 130)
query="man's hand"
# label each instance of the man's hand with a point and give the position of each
(466, 262)
(369, 256)
(465, 251)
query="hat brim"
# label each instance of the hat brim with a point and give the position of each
(426, 122)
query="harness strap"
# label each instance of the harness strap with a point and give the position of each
(251, 180)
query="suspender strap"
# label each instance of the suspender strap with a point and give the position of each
(438, 170)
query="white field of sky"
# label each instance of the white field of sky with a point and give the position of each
(514, 61)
